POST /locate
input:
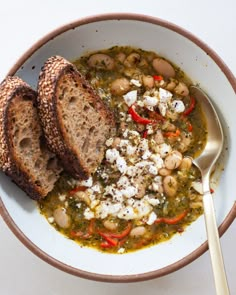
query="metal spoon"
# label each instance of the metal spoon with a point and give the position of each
(205, 162)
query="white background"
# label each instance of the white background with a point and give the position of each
(22, 22)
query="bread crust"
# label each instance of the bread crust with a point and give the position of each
(10, 88)
(47, 102)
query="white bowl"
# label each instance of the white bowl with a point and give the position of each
(203, 66)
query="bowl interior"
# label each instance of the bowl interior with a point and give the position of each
(204, 69)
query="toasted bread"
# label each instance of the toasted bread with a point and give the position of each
(75, 120)
(23, 156)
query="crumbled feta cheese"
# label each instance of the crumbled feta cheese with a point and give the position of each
(129, 118)
(164, 149)
(164, 95)
(153, 170)
(127, 213)
(149, 129)
(178, 106)
(130, 97)
(78, 205)
(150, 101)
(142, 208)
(156, 158)
(129, 191)
(130, 150)
(134, 133)
(143, 145)
(118, 196)
(130, 201)
(121, 251)
(123, 181)
(131, 171)
(62, 198)
(140, 103)
(109, 190)
(125, 133)
(105, 208)
(147, 154)
(123, 143)
(88, 182)
(109, 141)
(162, 108)
(88, 214)
(96, 188)
(135, 82)
(51, 219)
(121, 164)
(158, 179)
(155, 187)
(112, 155)
(153, 201)
(151, 218)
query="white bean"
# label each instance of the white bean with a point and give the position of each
(110, 225)
(163, 67)
(158, 137)
(173, 160)
(170, 186)
(181, 89)
(171, 85)
(120, 57)
(148, 81)
(61, 217)
(164, 172)
(138, 231)
(101, 61)
(186, 163)
(120, 86)
(132, 59)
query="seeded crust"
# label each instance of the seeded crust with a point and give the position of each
(75, 120)
(23, 157)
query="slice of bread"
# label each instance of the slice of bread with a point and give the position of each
(75, 120)
(23, 156)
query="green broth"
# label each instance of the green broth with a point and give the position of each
(183, 133)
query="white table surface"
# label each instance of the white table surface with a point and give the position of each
(22, 22)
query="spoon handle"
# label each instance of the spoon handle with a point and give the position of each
(214, 246)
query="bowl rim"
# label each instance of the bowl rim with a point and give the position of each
(102, 277)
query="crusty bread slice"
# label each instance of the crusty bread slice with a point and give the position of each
(75, 120)
(23, 156)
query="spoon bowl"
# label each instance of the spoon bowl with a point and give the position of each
(205, 162)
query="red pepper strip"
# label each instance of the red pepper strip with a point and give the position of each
(191, 106)
(123, 234)
(137, 118)
(189, 126)
(145, 134)
(78, 189)
(158, 78)
(172, 134)
(172, 220)
(110, 240)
